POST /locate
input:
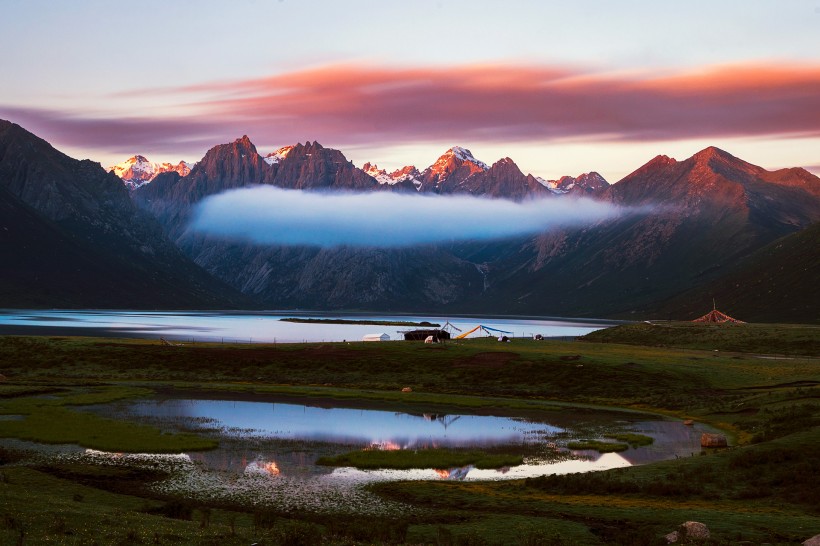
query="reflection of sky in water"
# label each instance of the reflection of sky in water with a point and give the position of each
(344, 425)
(275, 464)
(259, 327)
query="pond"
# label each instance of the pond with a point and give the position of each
(268, 448)
(262, 327)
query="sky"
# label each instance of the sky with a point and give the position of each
(560, 87)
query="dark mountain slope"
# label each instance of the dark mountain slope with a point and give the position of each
(778, 283)
(106, 252)
(701, 216)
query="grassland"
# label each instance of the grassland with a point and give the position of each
(424, 458)
(762, 386)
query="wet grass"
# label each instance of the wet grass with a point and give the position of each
(760, 493)
(598, 445)
(768, 339)
(631, 438)
(421, 458)
(50, 420)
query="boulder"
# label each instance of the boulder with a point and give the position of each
(713, 440)
(693, 530)
(813, 541)
(407, 389)
(688, 532)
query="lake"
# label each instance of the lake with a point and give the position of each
(268, 447)
(262, 327)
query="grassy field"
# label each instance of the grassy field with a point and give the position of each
(762, 386)
(423, 458)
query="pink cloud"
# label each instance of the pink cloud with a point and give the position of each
(127, 135)
(358, 104)
(351, 103)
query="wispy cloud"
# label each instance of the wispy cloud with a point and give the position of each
(267, 215)
(124, 134)
(353, 104)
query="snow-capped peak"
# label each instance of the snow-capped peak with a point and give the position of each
(454, 159)
(380, 175)
(466, 155)
(137, 170)
(134, 167)
(278, 155)
(551, 185)
(586, 182)
(408, 173)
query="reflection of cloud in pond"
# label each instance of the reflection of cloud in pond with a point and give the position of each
(268, 468)
(454, 473)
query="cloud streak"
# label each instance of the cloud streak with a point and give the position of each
(266, 215)
(125, 134)
(353, 104)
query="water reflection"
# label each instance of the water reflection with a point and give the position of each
(386, 429)
(268, 450)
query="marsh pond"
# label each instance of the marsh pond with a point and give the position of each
(269, 447)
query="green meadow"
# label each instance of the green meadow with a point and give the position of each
(760, 384)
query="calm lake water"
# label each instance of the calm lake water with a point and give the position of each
(261, 327)
(268, 448)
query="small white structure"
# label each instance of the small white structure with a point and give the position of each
(376, 337)
(430, 339)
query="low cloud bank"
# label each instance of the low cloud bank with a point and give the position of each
(268, 215)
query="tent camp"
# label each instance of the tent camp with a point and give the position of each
(492, 332)
(422, 335)
(716, 317)
(376, 337)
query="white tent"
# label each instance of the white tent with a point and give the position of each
(376, 337)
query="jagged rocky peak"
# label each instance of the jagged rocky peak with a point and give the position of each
(591, 182)
(372, 169)
(241, 146)
(409, 170)
(661, 160)
(713, 152)
(505, 163)
(277, 156)
(716, 160)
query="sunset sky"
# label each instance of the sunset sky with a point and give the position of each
(560, 87)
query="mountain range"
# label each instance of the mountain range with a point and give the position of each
(716, 225)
